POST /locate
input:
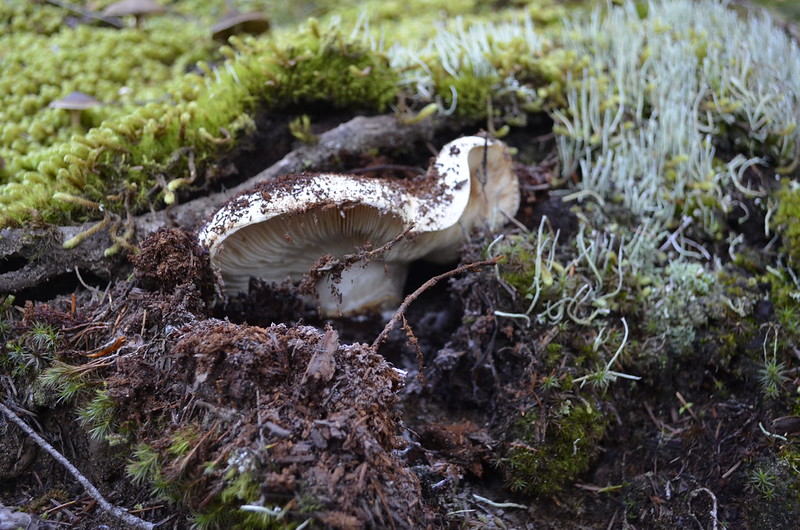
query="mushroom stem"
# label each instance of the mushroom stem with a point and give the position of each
(374, 285)
(75, 118)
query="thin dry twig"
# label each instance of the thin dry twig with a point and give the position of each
(414, 342)
(398, 315)
(115, 511)
(87, 13)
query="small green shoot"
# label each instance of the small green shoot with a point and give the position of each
(300, 128)
(761, 480)
(144, 465)
(98, 415)
(772, 374)
(605, 376)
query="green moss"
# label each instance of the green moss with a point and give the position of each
(515, 265)
(145, 464)
(98, 415)
(526, 273)
(223, 492)
(786, 217)
(774, 484)
(541, 464)
(226, 510)
(553, 354)
(31, 350)
(183, 440)
(161, 111)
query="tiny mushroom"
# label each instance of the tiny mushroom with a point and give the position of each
(138, 8)
(282, 227)
(233, 23)
(75, 102)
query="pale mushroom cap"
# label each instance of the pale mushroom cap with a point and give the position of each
(75, 101)
(279, 230)
(133, 7)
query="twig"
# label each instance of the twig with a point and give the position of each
(86, 13)
(398, 315)
(332, 267)
(414, 342)
(115, 511)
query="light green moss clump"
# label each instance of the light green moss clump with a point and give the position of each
(679, 305)
(154, 128)
(546, 454)
(786, 220)
(154, 113)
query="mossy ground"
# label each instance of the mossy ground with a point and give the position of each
(630, 361)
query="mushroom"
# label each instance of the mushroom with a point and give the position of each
(282, 227)
(233, 23)
(75, 102)
(138, 8)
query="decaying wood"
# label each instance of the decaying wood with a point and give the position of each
(30, 257)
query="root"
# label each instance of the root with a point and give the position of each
(398, 315)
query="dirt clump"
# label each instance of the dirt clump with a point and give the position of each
(277, 416)
(171, 257)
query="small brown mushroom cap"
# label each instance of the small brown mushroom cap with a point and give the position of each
(133, 7)
(281, 228)
(75, 101)
(253, 23)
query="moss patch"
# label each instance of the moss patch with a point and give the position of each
(545, 454)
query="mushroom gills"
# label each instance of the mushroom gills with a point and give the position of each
(290, 244)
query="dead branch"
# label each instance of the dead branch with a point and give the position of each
(86, 13)
(38, 254)
(398, 315)
(115, 511)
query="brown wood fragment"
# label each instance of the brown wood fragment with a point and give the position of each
(322, 364)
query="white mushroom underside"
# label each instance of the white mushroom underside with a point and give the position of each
(289, 244)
